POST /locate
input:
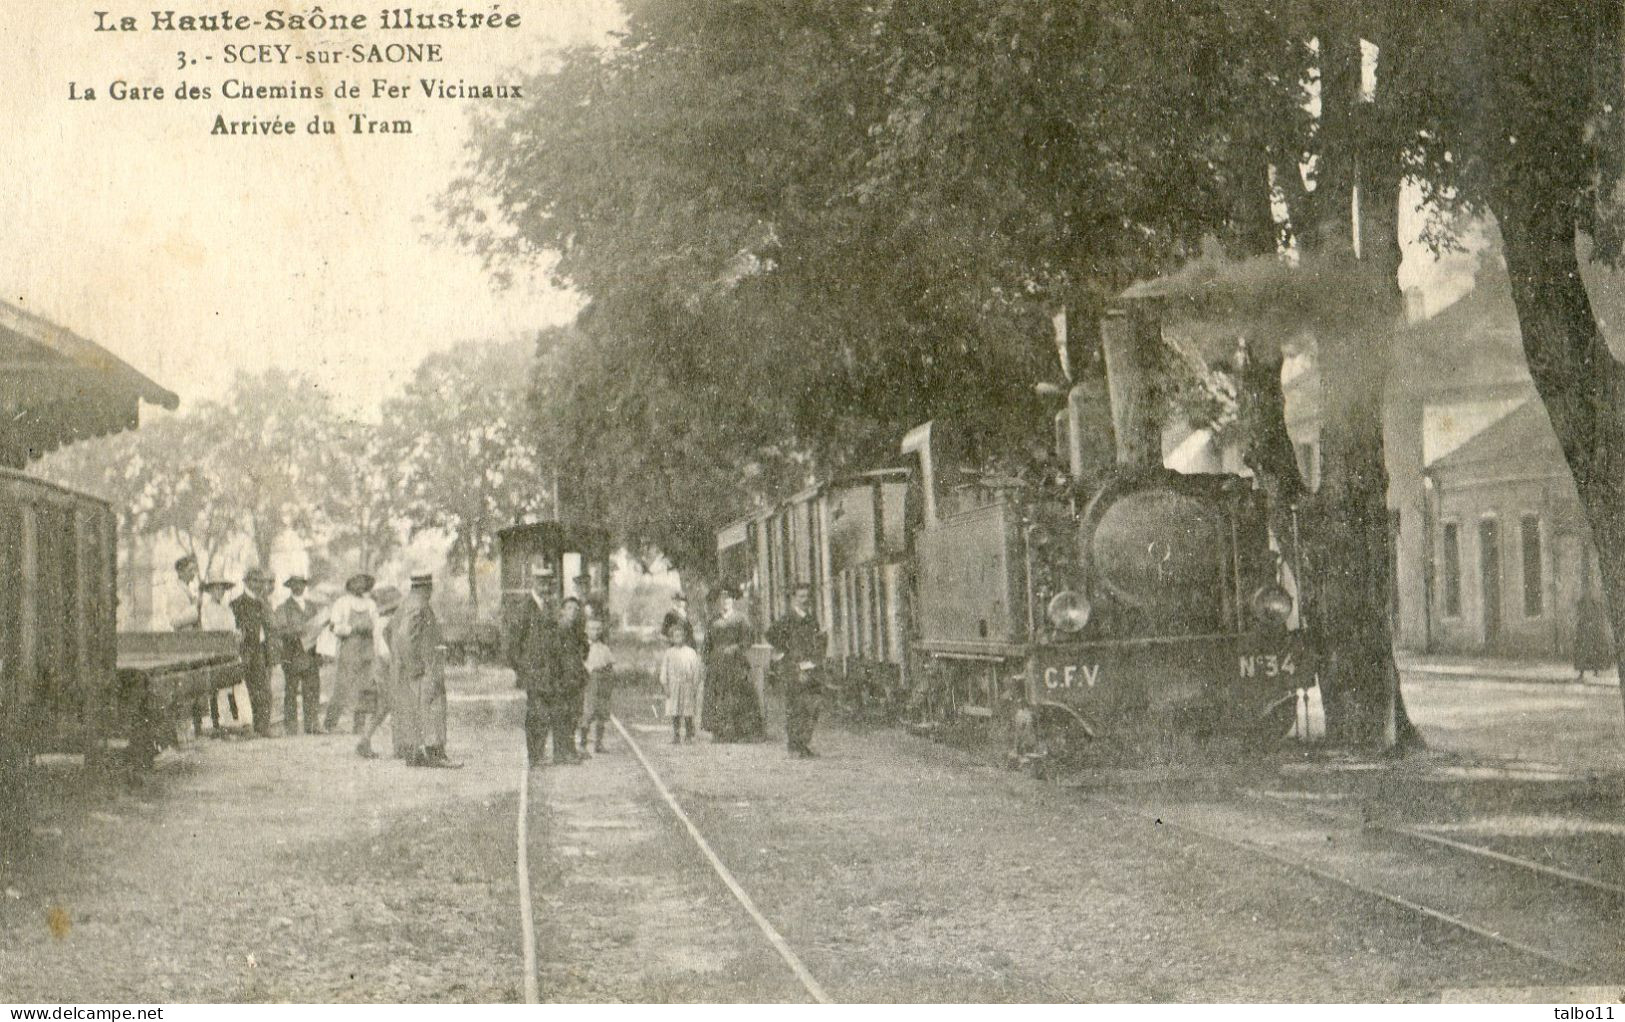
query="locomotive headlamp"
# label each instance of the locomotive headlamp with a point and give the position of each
(1272, 603)
(1068, 611)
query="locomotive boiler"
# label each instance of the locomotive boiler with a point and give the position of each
(1154, 600)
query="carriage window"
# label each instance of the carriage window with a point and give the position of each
(1452, 570)
(1534, 583)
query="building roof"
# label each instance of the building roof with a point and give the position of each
(57, 387)
(1522, 438)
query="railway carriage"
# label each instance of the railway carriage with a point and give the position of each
(58, 669)
(846, 539)
(578, 556)
(68, 681)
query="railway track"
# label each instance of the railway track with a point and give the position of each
(531, 980)
(1558, 918)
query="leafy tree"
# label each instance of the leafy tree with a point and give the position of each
(465, 453)
(360, 505)
(857, 218)
(268, 444)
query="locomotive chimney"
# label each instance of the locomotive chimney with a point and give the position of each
(1131, 339)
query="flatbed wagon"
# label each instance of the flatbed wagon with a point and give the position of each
(161, 676)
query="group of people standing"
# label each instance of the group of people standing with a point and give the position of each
(560, 659)
(386, 649)
(716, 684)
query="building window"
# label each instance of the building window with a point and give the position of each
(1534, 581)
(1452, 570)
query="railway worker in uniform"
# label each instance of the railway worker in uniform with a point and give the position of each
(682, 678)
(354, 617)
(798, 647)
(252, 612)
(528, 652)
(294, 623)
(564, 680)
(731, 712)
(215, 615)
(416, 651)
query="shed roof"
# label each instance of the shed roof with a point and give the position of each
(56, 387)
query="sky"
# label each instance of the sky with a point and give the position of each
(193, 256)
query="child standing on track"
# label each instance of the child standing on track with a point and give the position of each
(600, 685)
(681, 675)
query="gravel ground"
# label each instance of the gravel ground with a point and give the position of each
(899, 870)
(965, 883)
(276, 870)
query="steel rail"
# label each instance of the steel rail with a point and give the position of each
(1266, 852)
(527, 916)
(773, 936)
(1466, 847)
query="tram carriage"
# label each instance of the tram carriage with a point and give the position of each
(845, 538)
(579, 558)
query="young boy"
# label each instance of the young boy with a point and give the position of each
(600, 685)
(681, 675)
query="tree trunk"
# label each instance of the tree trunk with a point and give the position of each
(473, 579)
(1579, 381)
(1359, 680)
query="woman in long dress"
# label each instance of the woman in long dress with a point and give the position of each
(354, 618)
(731, 712)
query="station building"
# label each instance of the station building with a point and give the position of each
(1488, 540)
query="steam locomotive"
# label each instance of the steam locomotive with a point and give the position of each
(1094, 605)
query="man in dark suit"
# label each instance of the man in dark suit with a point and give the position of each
(254, 625)
(798, 650)
(530, 652)
(301, 667)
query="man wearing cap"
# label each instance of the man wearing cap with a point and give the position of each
(251, 611)
(294, 621)
(798, 649)
(530, 653)
(414, 642)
